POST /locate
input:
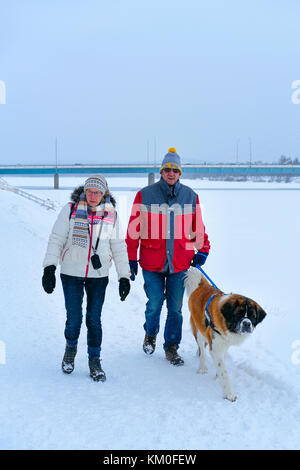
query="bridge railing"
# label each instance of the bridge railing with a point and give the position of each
(47, 203)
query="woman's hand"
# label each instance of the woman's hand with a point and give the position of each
(124, 287)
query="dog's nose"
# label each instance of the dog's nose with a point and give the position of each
(246, 326)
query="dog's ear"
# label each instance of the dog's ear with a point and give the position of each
(228, 311)
(260, 314)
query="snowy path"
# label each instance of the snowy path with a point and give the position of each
(145, 403)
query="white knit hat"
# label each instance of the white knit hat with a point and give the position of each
(97, 182)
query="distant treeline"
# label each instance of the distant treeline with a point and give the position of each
(241, 178)
(283, 160)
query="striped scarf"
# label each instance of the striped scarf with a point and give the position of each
(80, 234)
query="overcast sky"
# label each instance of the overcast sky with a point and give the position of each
(206, 77)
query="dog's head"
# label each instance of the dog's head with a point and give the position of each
(242, 314)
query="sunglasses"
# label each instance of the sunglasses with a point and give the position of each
(168, 170)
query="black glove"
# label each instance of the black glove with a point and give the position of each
(124, 287)
(199, 259)
(133, 269)
(48, 279)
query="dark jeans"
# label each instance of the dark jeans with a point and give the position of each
(158, 287)
(95, 288)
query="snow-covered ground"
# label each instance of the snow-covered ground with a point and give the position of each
(146, 403)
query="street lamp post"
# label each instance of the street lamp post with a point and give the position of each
(56, 176)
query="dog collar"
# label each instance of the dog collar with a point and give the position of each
(208, 317)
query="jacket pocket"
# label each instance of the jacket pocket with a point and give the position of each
(153, 243)
(152, 253)
(183, 254)
(64, 254)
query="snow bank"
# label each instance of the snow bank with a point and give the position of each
(146, 403)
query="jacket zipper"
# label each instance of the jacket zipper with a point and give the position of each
(91, 238)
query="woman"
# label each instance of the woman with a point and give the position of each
(85, 238)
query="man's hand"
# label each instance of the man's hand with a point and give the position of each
(133, 269)
(199, 259)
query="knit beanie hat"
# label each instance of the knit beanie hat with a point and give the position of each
(97, 182)
(171, 160)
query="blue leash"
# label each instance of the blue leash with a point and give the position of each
(203, 272)
(208, 317)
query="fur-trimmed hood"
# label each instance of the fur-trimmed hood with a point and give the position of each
(75, 195)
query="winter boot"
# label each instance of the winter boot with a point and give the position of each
(149, 344)
(96, 371)
(173, 357)
(68, 359)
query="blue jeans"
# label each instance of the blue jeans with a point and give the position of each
(95, 288)
(158, 287)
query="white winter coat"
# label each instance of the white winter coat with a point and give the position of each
(75, 260)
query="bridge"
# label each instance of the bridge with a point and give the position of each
(122, 169)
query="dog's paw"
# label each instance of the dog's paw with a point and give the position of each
(202, 370)
(230, 396)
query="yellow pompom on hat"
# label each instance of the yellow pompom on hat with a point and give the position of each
(171, 160)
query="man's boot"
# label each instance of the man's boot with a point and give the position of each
(149, 344)
(67, 364)
(96, 371)
(173, 357)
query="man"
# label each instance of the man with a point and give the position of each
(166, 223)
